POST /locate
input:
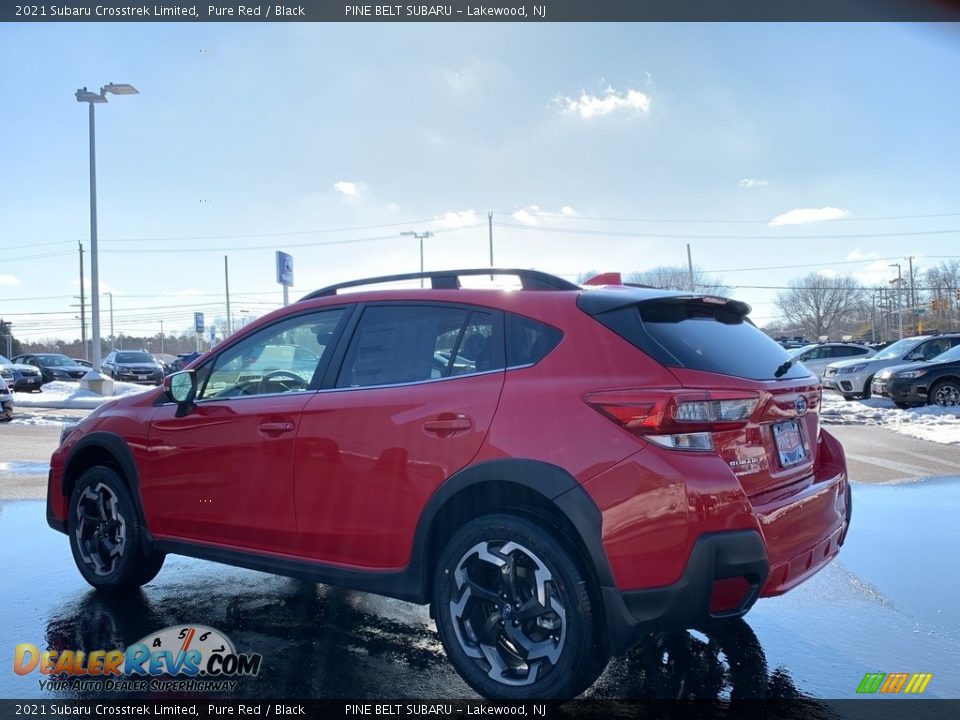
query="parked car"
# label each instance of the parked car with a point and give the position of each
(6, 401)
(82, 363)
(853, 378)
(816, 357)
(19, 376)
(609, 463)
(184, 359)
(135, 366)
(936, 382)
(53, 366)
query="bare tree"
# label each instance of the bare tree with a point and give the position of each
(821, 304)
(677, 277)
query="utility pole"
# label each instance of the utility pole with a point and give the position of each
(690, 268)
(226, 285)
(899, 282)
(490, 231)
(161, 337)
(83, 311)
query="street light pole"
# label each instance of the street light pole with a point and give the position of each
(113, 345)
(420, 237)
(93, 379)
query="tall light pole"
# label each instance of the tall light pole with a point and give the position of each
(420, 237)
(898, 281)
(93, 379)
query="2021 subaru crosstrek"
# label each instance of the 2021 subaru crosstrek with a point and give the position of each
(557, 470)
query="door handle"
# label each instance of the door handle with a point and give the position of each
(276, 427)
(446, 426)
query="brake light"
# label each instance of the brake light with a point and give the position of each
(677, 419)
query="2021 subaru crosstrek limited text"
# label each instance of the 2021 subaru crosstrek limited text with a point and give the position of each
(557, 471)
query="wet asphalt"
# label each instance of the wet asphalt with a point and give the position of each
(890, 603)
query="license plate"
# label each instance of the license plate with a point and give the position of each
(29, 380)
(789, 443)
(142, 377)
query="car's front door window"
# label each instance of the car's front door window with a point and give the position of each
(281, 358)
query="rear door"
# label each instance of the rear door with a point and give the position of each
(407, 405)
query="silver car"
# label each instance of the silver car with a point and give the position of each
(818, 356)
(852, 378)
(6, 401)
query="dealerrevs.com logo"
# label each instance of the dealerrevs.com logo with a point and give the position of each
(179, 658)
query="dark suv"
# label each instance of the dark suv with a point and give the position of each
(557, 471)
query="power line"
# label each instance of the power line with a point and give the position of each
(698, 236)
(718, 221)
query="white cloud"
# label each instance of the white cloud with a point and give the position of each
(588, 106)
(567, 210)
(802, 216)
(9, 279)
(527, 215)
(753, 182)
(457, 219)
(857, 255)
(350, 190)
(876, 274)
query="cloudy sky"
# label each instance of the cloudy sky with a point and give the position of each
(774, 150)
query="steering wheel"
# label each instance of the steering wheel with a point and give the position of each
(299, 382)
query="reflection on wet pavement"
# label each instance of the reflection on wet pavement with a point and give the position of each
(891, 604)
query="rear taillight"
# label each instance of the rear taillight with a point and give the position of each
(677, 419)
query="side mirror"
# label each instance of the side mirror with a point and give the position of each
(181, 387)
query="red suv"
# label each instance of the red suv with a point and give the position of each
(557, 470)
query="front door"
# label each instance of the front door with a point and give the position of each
(223, 473)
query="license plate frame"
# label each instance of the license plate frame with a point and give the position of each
(788, 434)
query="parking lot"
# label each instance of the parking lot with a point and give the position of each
(890, 603)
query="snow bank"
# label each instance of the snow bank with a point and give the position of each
(70, 395)
(930, 422)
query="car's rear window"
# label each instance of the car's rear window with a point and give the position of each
(700, 336)
(134, 357)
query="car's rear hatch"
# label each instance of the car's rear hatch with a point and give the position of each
(737, 393)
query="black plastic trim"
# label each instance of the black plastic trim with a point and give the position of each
(118, 448)
(406, 584)
(686, 603)
(52, 521)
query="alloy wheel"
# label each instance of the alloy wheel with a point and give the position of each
(507, 612)
(101, 530)
(947, 395)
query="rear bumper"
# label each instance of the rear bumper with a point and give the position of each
(686, 603)
(774, 543)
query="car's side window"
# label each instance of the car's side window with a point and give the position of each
(281, 358)
(412, 343)
(529, 341)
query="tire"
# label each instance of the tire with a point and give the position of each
(503, 557)
(848, 397)
(104, 533)
(866, 388)
(945, 393)
(906, 405)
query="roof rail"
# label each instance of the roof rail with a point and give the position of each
(450, 280)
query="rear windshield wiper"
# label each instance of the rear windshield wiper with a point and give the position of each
(782, 370)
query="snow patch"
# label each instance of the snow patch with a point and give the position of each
(930, 422)
(70, 395)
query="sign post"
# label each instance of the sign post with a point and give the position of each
(285, 274)
(198, 326)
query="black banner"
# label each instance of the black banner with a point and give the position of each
(800, 709)
(481, 11)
